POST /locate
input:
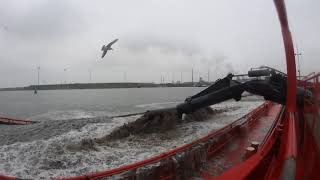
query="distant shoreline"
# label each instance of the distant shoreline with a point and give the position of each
(101, 86)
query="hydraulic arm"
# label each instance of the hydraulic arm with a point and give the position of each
(265, 81)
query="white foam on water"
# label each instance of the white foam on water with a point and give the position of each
(32, 159)
(71, 114)
(45, 159)
(157, 105)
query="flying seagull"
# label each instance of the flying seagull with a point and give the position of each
(106, 48)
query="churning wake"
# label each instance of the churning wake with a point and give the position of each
(37, 155)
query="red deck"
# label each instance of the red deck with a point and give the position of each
(233, 152)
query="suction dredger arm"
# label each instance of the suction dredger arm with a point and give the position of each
(265, 82)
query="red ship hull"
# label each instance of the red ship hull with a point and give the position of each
(271, 142)
(267, 143)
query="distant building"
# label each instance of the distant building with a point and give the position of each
(202, 83)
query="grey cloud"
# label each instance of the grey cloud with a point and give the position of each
(43, 21)
(155, 38)
(164, 45)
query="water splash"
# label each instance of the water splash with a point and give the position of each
(45, 159)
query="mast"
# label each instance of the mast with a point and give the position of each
(38, 76)
(298, 54)
(192, 76)
(172, 78)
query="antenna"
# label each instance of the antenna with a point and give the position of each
(65, 75)
(192, 76)
(161, 79)
(38, 76)
(172, 80)
(298, 54)
(37, 86)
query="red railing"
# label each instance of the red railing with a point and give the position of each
(315, 78)
(11, 121)
(312, 83)
(247, 118)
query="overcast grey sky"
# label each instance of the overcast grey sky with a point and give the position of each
(156, 38)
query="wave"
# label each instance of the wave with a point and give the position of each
(157, 105)
(71, 114)
(50, 159)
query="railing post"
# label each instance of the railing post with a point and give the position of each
(290, 59)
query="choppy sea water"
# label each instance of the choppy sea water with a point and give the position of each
(65, 117)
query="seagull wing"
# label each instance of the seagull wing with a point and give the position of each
(104, 53)
(103, 47)
(114, 41)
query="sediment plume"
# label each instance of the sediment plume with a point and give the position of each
(202, 114)
(156, 121)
